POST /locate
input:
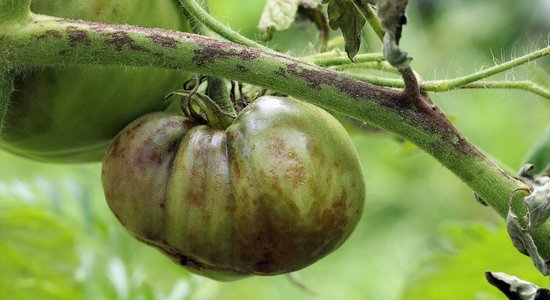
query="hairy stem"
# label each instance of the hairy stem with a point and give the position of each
(328, 59)
(48, 41)
(445, 85)
(200, 14)
(370, 15)
(436, 86)
(525, 85)
(218, 88)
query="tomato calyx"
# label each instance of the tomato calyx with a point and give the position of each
(210, 113)
(203, 106)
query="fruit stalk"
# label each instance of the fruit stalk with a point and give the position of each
(424, 124)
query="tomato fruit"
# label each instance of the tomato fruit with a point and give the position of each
(70, 114)
(277, 190)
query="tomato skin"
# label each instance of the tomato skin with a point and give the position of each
(70, 114)
(276, 191)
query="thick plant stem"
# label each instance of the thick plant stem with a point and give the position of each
(48, 41)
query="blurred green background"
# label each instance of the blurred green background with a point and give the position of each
(423, 236)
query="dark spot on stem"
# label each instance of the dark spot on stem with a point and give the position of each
(121, 40)
(77, 36)
(213, 50)
(281, 72)
(242, 69)
(49, 34)
(164, 41)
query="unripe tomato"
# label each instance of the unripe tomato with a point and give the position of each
(70, 114)
(277, 190)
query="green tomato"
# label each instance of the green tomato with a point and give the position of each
(277, 190)
(70, 114)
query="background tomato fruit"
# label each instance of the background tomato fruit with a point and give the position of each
(70, 114)
(277, 190)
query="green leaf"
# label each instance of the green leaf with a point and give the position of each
(343, 15)
(278, 15)
(539, 154)
(456, 271)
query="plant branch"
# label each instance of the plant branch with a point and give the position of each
(329, 59)
(450, 84)
(436, 86)
(218, 88)
(361, 67)
(204, 17)
(48, 41)
(412, 88)
(370, 15)
(525, 85)
(376, 80)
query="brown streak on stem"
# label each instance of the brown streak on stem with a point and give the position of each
(77, 36)
(121, 40)
(49, 34)
(222, 50)
(164, 40)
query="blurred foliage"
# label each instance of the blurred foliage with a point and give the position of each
(58, 239)
(466, 251)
